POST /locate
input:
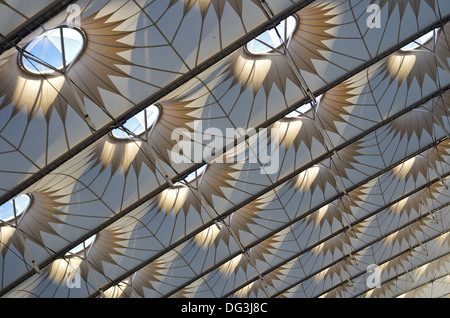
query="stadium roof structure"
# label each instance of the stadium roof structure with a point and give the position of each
(117, 178)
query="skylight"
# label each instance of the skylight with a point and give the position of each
(14, 208)
(53, 51)
(299, 112)
(138, 124)
(273, 39)
(196, 175)
(82, 247)
(414, 45)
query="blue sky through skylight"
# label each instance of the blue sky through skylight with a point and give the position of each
(21, 203)
(274, 38)
(137, 124)
(48, 48)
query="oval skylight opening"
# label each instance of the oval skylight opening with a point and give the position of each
(82, 247)
(14, 208)
(271, 41)
(53, 51)
(299, 112)
(138, 124)
(416, 44)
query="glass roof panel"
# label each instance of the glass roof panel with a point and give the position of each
(82, 246)
(138, 124)
(46, 50)
(414, 45)
(196, 175)
(299, 112)
(274, 38)
(15, 207)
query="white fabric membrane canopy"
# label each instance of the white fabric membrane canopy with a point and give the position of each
(224, 149)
